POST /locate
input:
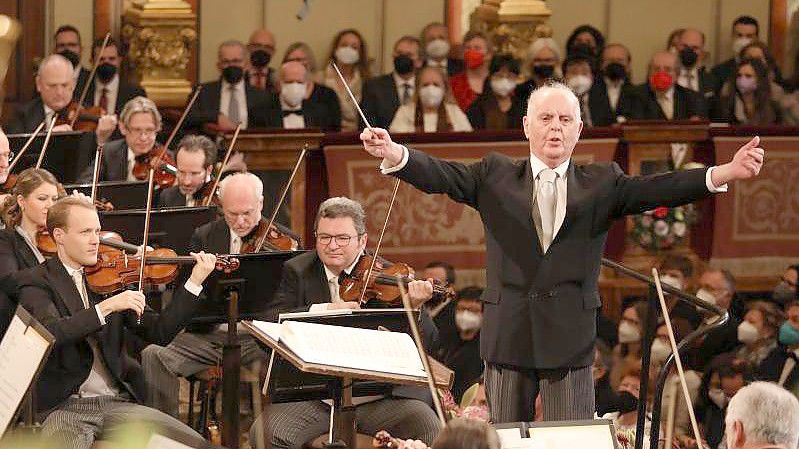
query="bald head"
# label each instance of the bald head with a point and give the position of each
(242, 196)
(55, 81)
(663, 61)
(293, 72)
(262, 38)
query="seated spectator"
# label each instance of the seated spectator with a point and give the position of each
(625, 412)
(442, 312)
(432, 109)
(459, 347)
(469, 84)
(604, 397)
(759, 50)
(383, 95)
(780, 365)
(498, 108)
(745, 30)
(674, 40)
(660, 98)
(261, 47)
(692, 71)
(678, 272)
(464, 433)
(348, 51)
(109, 90)
(586, 41)
(762, 415)
(631, 331)
(747, 99)
(545, 60)
(717, 287)
(758, 332)
(785, 291)
(579, 76)
(612, 87)
(435, 41)
(724, 377)
(316, 94)
(297, 112)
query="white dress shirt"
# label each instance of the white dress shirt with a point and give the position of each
(241, 96)
(689, 78)
(333, 285)
(111, 95)
(399, 81)
(292, 121)
(560, 184)
(614, 92)
(131, 164)
(666, 102)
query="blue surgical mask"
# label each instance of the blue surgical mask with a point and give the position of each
(789, 335)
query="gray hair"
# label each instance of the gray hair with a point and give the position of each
(305, 48)
(246, 177)
(341, 206)
(138, 105)
(729, 279)
(542, 43)
(194, 143)
(553, 86)
(53, 59)
(767, 412)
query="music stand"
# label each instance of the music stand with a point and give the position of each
(65, 157)
(170, 228)
(124, 195)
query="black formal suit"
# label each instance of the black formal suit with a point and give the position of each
(206, 108)
(484, 113)
(50, 295)
(15, 255)
(171, 197)
(320, 110)
(770, 369)
(540, 308)
(643, 105)
(125, 93)
(380, 100)
(602, 113)
(718, 341)
(26, 117)
(80, 82)
(114, 166)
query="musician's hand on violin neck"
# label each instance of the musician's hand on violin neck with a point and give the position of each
(378, 143)
(344, 305)
(127, 300)
(420, 292)
(204, 265)
(105, 127)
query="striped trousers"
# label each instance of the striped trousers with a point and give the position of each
(566, 393)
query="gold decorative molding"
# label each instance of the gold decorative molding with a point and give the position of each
(160, 34)
(512, 24)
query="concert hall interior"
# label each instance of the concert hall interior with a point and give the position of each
(406, 224)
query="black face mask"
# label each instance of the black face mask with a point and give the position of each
(688, 57)
(583, 50)
(615, 71)
(544, 71)
(626, 402)
(106, 72)
(232, 74)
(73, 57)
(403, 64)
(260, 58)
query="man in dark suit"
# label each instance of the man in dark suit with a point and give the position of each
(194, 161)
(241, 197)
(310, 282)
(110, 91)
(231, 100)
(546, 220)
(435, 39)
(55, 85)
(320, 109)
(692, 73)
(745, 30)
(67, 43)
(612, 87)
(89, 384)
(717, 287)
(383, 95)
(660, 98)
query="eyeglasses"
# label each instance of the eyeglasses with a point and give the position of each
(143, 132)
(341, 239)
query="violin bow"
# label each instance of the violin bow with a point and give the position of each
(178, 125)
(46, 141)
(96, 176)
(676, 355)
(224, 163)
(417, 338)
(89, 80)
(27, 145)
(393, 195)
(146, 235)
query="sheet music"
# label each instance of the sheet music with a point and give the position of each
(367, 349)
(269, 328)
(161, 442)
(597, 436)
(332, 312)
(21, 354)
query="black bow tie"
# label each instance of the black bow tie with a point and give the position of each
(295, 112)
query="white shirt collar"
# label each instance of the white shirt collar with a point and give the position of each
(669, 94)
(47, 109)
(237, 87)
(537, 165)
(614, 84)
(400, 81)
(71, 271)
(112, 85)
(330, 275)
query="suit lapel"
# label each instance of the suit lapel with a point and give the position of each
(680, 111)
(314, 277)
(522, 201)
(63, 286)
(575, 196)
(220, 238)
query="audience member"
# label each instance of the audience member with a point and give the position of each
(498, 108)
(747, 98)
(383, 95)
(762, 415)
(745, 30)
(604, 396)
(298, 112)
(758, 332)
(586, 41)
(692, 72)
(261, 48)
(464, 433)
(678, 272)
(785, 291)
(625, 412)
(348, 51)
(723, 378)
(432, 109)
(315, 93)
(110, 91)
(717, 287)
(435, 41)
(477, 54)
(578, 74)
(758, 50)
(459, 347)
(613, 86)
(674, 40)
(780, 365)
(442, 311)
(631, 331)
(67, 43)
(544, 59)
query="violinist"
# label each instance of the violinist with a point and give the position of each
(241, 197)
(139, 123)
(195, 159)
(89, 385)
(55, 84)
(310, 282)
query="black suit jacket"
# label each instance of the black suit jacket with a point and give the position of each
(126, 93)
(206, 108)
(171, 197)
(114, 166)
(26, 117)
(49, 294)
(643, 104)
(15, 255)
(320, 110)
(602, 114)
(540, 308)
(80, 83)
(380, 100)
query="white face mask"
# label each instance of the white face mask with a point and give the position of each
(431, 96)
(437, 48)
(347, 55)
(718, 397)
(580, 84)
(502, 86)
(738, 44)
(466, 320)
(292, 93)
(747, 333)
(671, 281)
(706, 296)
(660, 351)
(628, 333)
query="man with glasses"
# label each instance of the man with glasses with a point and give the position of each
(194, 161)
(241, 197)
(311, 282)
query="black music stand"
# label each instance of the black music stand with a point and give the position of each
(124, 195)
(67, 155)
(170, 228)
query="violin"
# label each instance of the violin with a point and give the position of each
(45, 243)
(382, 286)
(7, 186)
(271, 239)
(116, 270)
(159, 160)
(81, 118)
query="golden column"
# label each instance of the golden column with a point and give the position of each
(512, 24)
(160, 33)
